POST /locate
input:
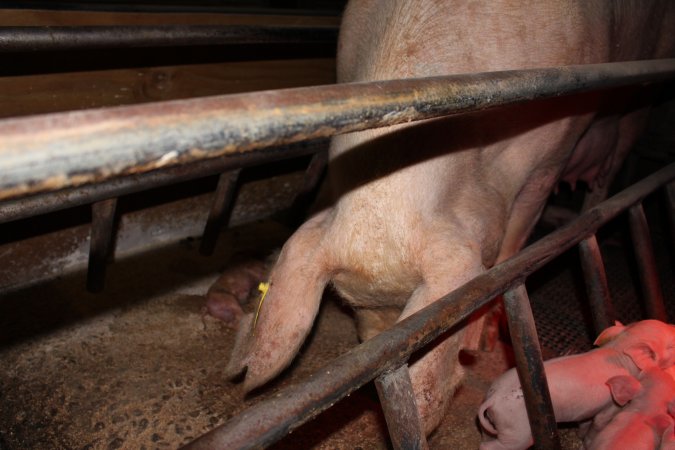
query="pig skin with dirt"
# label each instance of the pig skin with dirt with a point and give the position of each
(421, 208)
(641, 424)
(577, 383)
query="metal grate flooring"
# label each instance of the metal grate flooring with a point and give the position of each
(558, 294)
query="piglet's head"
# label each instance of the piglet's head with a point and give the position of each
(649, 343)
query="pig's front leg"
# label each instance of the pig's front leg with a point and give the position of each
(446, 265)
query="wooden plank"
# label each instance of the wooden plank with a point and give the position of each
(34, 94)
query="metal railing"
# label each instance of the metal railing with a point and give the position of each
(43, 155)
(61, 150)
(64, 38)
(384, 355)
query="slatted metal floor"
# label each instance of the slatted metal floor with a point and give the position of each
(558, 294)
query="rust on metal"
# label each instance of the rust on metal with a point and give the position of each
(62, 38)
(597, 288)
(530, 368)
(268, 421)
(646, 263)
(61, 150)
(115, 187)
(400, 410)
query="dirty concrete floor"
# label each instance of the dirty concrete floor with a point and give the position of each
(140, 366)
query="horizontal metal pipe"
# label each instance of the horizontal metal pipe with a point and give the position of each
(67, 198)
(56, 151)
(268, 421)
(23, 39)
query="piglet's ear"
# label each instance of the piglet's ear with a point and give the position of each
(624, 388)
(643, 355)
(609, 333)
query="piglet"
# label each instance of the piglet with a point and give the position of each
(642, 423)
(577, 382)
(225, 298)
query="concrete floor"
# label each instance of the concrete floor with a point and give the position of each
(141, 366)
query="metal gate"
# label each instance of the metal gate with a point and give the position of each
(53, 161)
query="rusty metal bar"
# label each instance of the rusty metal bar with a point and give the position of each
(307, 194)
(116, 187)
(597, 288)
(595, 278)
(56, 151)
(530, 367)
(268, 421)
(28, 39)
(400, 410)
(100, 242)
(646, 263)
(221, 209)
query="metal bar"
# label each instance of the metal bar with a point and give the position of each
(530, 367)
(23, 39)
(307, 194)
(268, 421)
(670, 207)
(55, 151)
(597, 288)
(100, 242)
(646, 263)
(221, 209)
(116, 187)
(400, 410)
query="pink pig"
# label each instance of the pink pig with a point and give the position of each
(418, 209)
(642, 423)
(577, 382)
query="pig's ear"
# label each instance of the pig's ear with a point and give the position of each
(623, 388)
(609, 333)
(643, 355)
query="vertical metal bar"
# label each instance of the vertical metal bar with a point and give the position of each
(221, 209)
(597, 288)
(530, 367)
(400, 410)
(646, 262)
(100, 242)
(305, 197)
(670, 206)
